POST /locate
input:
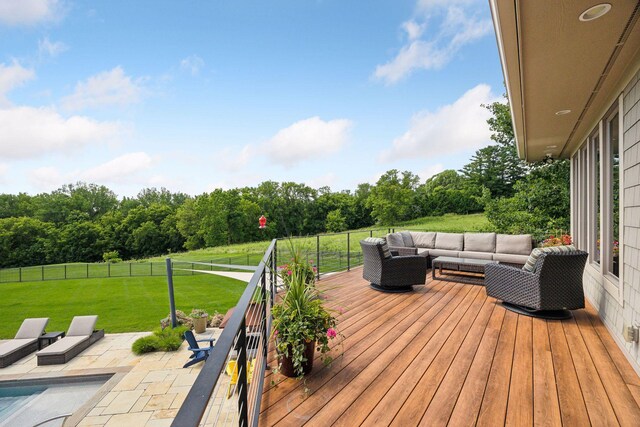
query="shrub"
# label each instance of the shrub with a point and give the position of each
(162, 340)
(111, 256)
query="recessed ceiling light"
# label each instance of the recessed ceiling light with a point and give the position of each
(595, 12)
(552, 146)
(562, 112)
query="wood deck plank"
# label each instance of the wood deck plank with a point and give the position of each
(546, 408)
(447, 354)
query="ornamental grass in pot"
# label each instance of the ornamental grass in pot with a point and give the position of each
(301, 325)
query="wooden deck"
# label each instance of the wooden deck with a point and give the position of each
(448, 354)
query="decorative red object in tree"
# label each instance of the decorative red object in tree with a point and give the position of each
(263, 222)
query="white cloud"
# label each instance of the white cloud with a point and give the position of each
(118, 170)
(46, 178)
(12, 76)
(326, 180)
(49, 48)
(307, 139)
(4, 169)
(28, 132)
(230, 160)
(457, 28)
(112, 87)
(451, 129)
(29, 12)
(125, 169)
(192, 64)
(414, 30)
(430, 171)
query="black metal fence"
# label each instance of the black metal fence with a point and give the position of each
(120, 269)
(228, 390)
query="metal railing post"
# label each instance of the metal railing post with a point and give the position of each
(65, 271)
(241, 348)
(42, 272)
(265, 338)
(370, 233)
(109, 269)
(318, 257)
(348, 251)
(20, 273)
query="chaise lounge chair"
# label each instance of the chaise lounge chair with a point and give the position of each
(199, 353)
(25, 342)
(81, 335)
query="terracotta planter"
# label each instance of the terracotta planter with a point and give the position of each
(200, 325)
(287, 368)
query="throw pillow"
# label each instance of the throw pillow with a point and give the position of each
(383, 245)
(535, 254)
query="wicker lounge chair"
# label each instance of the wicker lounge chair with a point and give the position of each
(550, 291)
(388, 273)
(24, 343)
(81, 335)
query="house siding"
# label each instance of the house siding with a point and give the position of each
(614, 314)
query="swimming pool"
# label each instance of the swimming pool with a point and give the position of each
(29, 402)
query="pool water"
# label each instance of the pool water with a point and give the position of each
(24, 404)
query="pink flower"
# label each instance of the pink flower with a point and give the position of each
(331, 333)
(289, 272)
(275, 333)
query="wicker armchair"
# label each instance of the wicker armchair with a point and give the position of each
(392, 274)
(550, 291)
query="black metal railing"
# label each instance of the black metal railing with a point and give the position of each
(238, 361)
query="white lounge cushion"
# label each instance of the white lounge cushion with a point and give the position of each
(423, 251)
(386, 252)
(408, 240)
(11, 346)
(442, 252)
(82, 326)
(395, 239)
(32, 328)
(530, 263)
(63, 345)
(520, 244)
(450, 241)
(511, 258)
(475, 255)
(480, 242)
(424, 239)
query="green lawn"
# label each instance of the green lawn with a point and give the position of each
(122, 304)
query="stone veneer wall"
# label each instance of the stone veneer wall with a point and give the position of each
(612, 313)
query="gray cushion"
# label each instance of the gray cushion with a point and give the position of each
(423, 251)
(475, 255)
(480, 242)
(386, 252)
(424, 239)
(32, 328)
(510, 258)
(530, 262)
(82, 326)
(63, 345)
(450, 241)
(442, 252)
(406, 238)
(11, 346)
(519, 244)
(395, 239)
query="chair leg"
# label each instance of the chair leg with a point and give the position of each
(195, 360)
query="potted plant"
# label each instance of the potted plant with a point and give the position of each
(200, 318)
(301, 325)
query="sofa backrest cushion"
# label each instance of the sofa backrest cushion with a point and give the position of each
(480, 242)
(395, 239)
(450, 241)
(519, 244)
(530, 265)
(424, 239)
(407, 239)
(386, 253)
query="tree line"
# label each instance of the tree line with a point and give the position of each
(87, 222)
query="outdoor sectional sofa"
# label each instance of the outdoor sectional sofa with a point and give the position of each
(505, 248)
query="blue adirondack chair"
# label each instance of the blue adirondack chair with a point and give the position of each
(199, 353)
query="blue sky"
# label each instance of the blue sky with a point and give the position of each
(197, 95)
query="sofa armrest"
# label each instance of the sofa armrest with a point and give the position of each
(403, 251)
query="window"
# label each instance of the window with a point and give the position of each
(612, 225)
(595, 197)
